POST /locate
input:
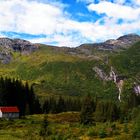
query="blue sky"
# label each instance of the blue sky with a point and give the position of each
(68, 22)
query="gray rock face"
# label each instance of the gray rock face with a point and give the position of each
(136, 89)
(17, 44)
(5, 58)
(130, 38)
(7, 46)
(101, 74)
(118, 80)
(112, 44)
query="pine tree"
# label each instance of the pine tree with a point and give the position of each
(46, 107)
(112, 111)
(60, 105)
(44, 130)
(99, 112)
(86, 115)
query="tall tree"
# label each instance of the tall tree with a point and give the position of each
(44, 130)
(86, 115)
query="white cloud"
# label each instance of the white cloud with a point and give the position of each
(137, 2)
(85, 1)
(115, 10)
(50, 19)
(119, 1)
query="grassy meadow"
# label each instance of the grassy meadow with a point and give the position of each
(63, 126)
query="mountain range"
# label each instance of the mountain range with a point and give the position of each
(75, 71)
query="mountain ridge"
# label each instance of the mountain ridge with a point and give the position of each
(120, 43)
(67, 71)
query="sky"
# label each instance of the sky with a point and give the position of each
(68, 22)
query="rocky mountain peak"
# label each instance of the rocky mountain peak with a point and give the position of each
(114, 45)
(7, 46)
(17, 45)
(129, 38)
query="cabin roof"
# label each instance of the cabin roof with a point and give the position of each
(9, 109)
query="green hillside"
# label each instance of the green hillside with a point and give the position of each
(59, 73)
(128, 62)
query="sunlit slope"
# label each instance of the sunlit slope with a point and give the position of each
(128, 62)
(53, 72)
(58, 73)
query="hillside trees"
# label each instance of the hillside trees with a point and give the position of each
(86, 115)
(106, 111)
(61, 104)
(14, 93)
(136, 130)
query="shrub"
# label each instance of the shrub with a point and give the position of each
(58, 137)
(113, 126)
(102, 133)
(44, 130)
(91, 132)
(136, 130)
(126, 128)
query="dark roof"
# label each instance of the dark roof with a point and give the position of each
(9, 109)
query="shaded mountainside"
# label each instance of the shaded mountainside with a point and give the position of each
(68, 71)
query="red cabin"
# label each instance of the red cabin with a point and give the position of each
(9, 112)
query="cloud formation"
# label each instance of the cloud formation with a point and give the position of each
(55, 23)
(115, 10)
(85, 1)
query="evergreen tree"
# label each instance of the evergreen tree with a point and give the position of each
(46, 107)
(86, 115)
(53, 105)
(44, 130)
(99, 112)
(106, 111)
(14, 93)
(112, 111)
(60, 105)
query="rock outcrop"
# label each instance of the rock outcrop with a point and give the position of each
(111, 45)
(118, 80)
(7, 46)
(136, 89)
(17, 45)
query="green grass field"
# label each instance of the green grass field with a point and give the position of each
(63, 126)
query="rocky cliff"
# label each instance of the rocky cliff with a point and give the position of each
(111, 45)
(7, 46)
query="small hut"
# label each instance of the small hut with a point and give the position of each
(9, 112)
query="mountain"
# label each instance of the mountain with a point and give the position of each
(7, 46)
(73, 71)
(111, 45)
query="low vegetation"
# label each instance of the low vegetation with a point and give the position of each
(60, 127)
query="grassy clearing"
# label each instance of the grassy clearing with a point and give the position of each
(63, 126)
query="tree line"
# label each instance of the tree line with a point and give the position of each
(14, 93)
(105, 110)
(61, 104)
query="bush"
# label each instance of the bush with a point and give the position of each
(113, 126)
(126, 128)
(91, 132)
(44, 130)
(136, 130)
(58, 137)
(102, 133)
